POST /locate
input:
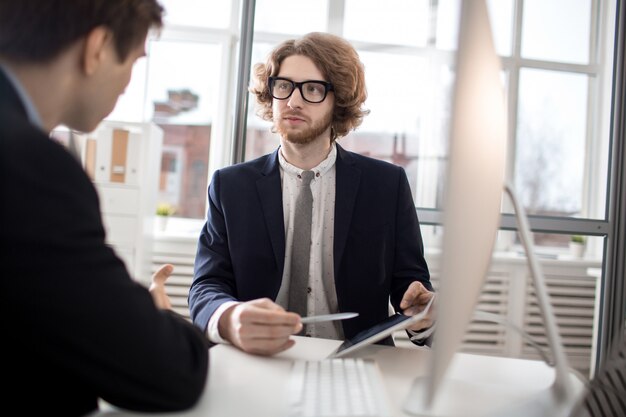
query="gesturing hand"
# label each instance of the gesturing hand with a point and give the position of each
(157, 287)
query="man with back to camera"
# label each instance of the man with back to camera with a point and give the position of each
(365, 247)
(76, 326)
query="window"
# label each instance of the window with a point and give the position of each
(290, 17)
(550, 141)
(198, 13)
(183, 85)
(557, 59)
(178, 87)
(557, 71)
(553, 72)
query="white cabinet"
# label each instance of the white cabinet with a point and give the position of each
(124, 159)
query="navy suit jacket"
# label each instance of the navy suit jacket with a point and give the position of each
(76, 327)
(378, 249)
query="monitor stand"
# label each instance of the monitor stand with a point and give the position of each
(476, 397)
(480, 397)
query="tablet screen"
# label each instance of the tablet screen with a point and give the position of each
(379, 331)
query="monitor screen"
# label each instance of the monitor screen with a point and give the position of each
(473, 188)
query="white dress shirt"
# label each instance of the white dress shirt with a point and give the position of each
(322, 294)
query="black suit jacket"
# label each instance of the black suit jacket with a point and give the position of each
(75, 325)
(378, 249)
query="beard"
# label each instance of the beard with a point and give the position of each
(307, 135)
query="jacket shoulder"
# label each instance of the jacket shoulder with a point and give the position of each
(256, 167)
(367, 163)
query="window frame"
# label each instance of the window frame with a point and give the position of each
(610, 226)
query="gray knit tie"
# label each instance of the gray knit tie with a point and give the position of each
(301, 246)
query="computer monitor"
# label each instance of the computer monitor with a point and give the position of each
(474, 188)
(473, 191)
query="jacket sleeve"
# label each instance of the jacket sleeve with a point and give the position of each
(214, 281)
(410, 264)
(78, 318)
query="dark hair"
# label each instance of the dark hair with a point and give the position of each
(38, 30)
(338, 61)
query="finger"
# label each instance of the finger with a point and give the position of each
(419, 304)
(421, 325)
(270, 318)
(426, 322)
(286, 346)
(267, 331)
(267, 304)
(267, 349)
(160, 297)
(258, 338)
(263, 316)
(162, 274)
(413, 310)
(415, 289)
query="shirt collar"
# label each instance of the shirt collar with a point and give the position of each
(319, 170)
(31, 110)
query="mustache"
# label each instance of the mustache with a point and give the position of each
(292, 114)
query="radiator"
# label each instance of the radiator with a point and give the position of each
(508, 292)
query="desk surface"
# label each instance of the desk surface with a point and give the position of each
(240, 384)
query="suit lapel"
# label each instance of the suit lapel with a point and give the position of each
(269, 191)
(270, 194)
(348, 178)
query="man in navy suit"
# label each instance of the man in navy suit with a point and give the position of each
(366, 246)
(76, 327)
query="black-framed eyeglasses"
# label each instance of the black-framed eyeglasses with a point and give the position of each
(313, 91)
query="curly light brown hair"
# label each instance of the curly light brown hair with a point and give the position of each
(338, 61)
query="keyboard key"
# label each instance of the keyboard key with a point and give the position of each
(339, 387)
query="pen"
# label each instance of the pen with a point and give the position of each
(328, 317)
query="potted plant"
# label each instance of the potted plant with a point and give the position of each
(163, 212)
(577, 246)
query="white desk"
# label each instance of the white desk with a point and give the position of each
(245, 385)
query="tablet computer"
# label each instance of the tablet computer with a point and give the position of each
(379, 331)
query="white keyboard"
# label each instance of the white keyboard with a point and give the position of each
(340, 387)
